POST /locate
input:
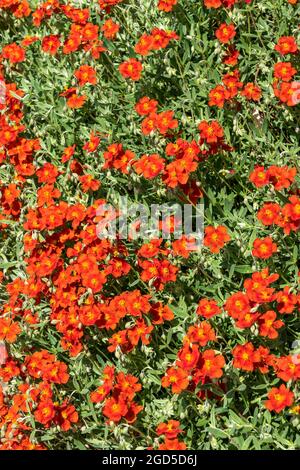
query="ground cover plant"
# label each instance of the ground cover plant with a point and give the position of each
(144, 343)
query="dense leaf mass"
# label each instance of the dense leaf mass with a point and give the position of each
(135, 343)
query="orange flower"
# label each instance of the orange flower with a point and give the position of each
(9, 330)
(184, 246)
(268, 324)
(288, 367)
(107, 4)
(237, 304)
(177, 378)
(231, 57)
(281, 177)
(160, 313)
(259, 177)
(215, 238)
(279, 398)
(110, 29)
(211, 132)
(286, 45)
(9, 370)
(89, 32)
(188, 357)
(51, 44)
(208, 308)
(43, 364)
(170, 429)
(75, 101)
(286, 300)
(115, 410)
(131, 68)
(47, 173)
(140, 332)
(166, 5)
(269, 213)
(264, 248)
(284, 71)
(244, 357)
(119, 340)
(68, 153)
(45, 412)
(144, 45)
(100, 393)
(151, 249)
(225, 32)
(201, 333)
(287, 92)
(146, 106)
(149, 124)
(86, 74)
(160, 272)
(66, 415)
(212, 3)
(172, 444)
(232, 82)
(251, 92)
(149, 165)
(211, 364)
(56, 372)
(165, 121)
(292, 209)
(218, 96)
(13, 53)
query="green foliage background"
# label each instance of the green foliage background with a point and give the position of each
(180, 78)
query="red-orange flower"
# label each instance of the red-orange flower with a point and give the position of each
(268, 324)
(149, 165)
(115, 410)
(13, 53)
(264, 248)
(284, 71)
(146, 106)
(86, 74)
(9, 330)
(259, 177)
(269, 213)
(110, 29)
(76, 101)
(208, 308)
(201, 333)
(218, 96)
(171, 429)
(45, 412)
(172, 444)
(286, 45)
(251, 92)
(211, 132)
(212, 3)
(51, 44)
(177, 378)
(244, 357)
(279, 398)
(211, 364)
(225, 32)
(166, 5)
(131, 68)
(215, 238)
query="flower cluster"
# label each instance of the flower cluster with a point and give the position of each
(170, 431)
(117, 393)
(285, 89)
(131, 342)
